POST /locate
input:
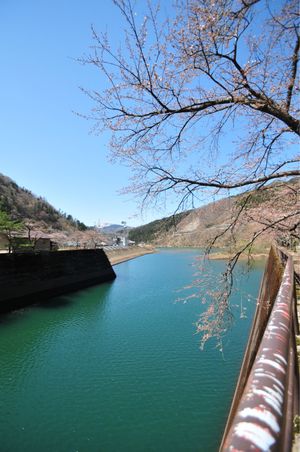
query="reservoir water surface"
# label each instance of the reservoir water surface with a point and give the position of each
(117, 367)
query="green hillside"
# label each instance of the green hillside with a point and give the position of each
(149, 232)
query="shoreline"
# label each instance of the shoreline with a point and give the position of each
(224, 255)
(118, 256)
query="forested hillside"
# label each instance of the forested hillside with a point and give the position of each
(21, 204)
(277, 203)
(152, 231)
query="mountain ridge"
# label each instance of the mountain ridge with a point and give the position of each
(198, 227)
(195, 227)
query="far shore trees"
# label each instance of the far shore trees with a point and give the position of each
(203, 101)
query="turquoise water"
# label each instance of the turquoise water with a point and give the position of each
(117, 367)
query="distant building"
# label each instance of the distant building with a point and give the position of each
(4, 243)
(124, 241)
(22, 244)
(44, 244)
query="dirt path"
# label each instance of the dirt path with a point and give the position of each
(125, 254)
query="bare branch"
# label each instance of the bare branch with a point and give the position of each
(295, 59)
(203, 102)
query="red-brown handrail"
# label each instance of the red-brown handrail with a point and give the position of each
(262, 416)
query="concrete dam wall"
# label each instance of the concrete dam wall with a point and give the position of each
(30, 278)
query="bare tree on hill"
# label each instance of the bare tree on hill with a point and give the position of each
(205, 101)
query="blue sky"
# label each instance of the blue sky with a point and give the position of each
(45, 147)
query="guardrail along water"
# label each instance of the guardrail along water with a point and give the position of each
(266, 400)
(117, 367)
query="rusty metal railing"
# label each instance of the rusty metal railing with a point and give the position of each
(266, 399)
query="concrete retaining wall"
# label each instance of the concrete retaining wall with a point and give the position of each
(28, 278)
